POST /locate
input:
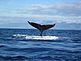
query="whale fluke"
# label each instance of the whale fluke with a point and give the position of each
(40, 27)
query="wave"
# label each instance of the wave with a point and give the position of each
(25, 37)
(13, 57)
(32, 37)
(4, 45)
(41, 58)
(46, 57)
(46, 38)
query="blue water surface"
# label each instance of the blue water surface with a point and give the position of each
(66, 48)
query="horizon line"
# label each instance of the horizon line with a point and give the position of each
(35, 29)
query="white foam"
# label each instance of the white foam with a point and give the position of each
(42, 37)
(36, 37)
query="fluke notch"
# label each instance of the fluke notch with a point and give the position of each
(40, 27)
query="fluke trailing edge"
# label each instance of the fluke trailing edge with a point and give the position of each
(40, 27)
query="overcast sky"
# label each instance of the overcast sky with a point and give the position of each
(16, 13)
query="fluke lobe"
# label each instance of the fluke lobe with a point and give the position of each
(40, 27)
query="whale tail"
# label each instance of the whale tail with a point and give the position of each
(40, 27)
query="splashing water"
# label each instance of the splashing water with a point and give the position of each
(36, 37)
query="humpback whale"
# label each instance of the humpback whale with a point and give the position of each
(40, 27)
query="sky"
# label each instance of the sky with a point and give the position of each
(65, 13)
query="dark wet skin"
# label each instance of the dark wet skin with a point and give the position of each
(40, 27)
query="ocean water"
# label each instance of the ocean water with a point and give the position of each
(27, 45)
